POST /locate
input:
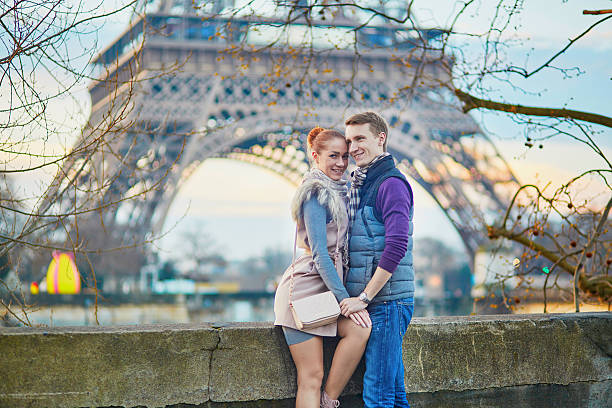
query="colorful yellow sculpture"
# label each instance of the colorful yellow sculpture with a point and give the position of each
(63, 276)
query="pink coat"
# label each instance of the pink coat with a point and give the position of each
(307, 280)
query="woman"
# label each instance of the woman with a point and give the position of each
(320, 211)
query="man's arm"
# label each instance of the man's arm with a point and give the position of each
(377, 282)
(393, 202)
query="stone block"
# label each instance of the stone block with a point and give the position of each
(122, 366)
(470, 353)
(251, 362)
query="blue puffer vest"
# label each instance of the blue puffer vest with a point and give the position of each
(367, 240)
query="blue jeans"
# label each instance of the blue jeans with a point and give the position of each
(383, 381)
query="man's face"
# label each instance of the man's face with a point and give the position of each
(364, 146)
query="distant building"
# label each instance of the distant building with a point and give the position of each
(439, 270)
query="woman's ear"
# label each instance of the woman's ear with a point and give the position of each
(315, 157)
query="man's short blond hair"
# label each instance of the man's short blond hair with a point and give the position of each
(376, 122)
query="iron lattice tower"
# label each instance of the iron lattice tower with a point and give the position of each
(186, 88)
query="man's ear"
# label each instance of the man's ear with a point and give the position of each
(382, 136)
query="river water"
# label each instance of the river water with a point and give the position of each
(198, 309)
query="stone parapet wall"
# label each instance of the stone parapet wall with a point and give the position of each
(531, 357)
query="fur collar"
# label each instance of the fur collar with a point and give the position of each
(326, 196)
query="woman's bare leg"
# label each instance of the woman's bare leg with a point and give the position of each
(350, 348)
(308, 359)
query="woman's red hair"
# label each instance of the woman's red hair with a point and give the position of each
(318, 138)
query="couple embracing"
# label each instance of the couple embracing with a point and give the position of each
(357, 244)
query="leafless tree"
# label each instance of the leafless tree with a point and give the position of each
(199, 250)
(45, 52)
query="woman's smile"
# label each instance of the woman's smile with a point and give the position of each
(333, 160)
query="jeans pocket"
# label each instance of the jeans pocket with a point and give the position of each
(405, 311)
(378, 315)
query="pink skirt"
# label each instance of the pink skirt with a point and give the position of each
(307, 282)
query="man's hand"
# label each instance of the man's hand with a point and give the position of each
(361, 318)
(351, 305)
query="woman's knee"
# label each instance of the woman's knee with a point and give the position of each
(311, 377)
(357, 333)
(363, 333)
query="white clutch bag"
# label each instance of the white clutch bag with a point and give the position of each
(316, 310)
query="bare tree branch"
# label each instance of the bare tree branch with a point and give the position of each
(471, 102)
(551, 59)
(608, 11)
(596, 233)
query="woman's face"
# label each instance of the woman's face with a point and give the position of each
(333, 159)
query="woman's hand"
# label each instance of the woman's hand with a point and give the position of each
(351, 305)
(361, 318)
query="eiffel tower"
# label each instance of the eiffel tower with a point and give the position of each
(189, 86)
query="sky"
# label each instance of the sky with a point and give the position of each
(245, 209)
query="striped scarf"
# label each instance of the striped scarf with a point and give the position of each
(358, 177)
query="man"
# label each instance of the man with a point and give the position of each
(381, 276)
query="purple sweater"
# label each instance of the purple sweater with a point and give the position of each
(393, 202)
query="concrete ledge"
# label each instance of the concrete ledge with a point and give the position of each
(231, 365)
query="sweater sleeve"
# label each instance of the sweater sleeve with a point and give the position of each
(315, 220)
(393, 202)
